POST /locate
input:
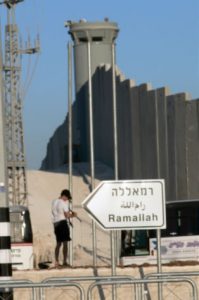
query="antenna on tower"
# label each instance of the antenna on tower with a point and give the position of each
(14, 133)
(10, 3)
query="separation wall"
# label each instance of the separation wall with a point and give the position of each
(158, 133)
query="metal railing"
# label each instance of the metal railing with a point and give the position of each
(174, 275)
(178, 274)
(9, 284)
(84, 278)
(139, 291)
(141, 282)
(27, 284)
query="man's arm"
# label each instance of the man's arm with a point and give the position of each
(70, 214)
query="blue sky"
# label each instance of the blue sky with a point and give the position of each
(158, 43)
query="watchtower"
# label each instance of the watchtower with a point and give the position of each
(97, 38)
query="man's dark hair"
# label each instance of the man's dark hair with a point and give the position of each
(66, 193)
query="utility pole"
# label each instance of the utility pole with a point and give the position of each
(14, 133)
(5, 241)
(13, 182)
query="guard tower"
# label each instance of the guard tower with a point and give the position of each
(100, 37)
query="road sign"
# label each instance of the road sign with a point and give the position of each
(128, 204)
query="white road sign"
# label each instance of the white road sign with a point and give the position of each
(128, 204)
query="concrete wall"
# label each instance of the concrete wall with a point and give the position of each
(192, 147)
(158, 133)
(57, 149)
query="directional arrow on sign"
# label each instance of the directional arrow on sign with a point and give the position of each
(128, 204)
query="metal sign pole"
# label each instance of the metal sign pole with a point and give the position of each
(70, 158)
(158, 232)
(159, 264)
(92, 167)
(113, 233)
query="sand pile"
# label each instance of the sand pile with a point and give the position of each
(43, 187)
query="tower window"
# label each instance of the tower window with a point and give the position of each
(97, 39)
(83, 39)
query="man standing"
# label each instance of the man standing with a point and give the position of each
(61, 214)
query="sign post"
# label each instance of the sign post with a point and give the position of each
(128, 204)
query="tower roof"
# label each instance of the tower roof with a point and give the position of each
(83, 31)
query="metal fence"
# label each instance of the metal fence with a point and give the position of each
(174, 290)
(99, 287)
